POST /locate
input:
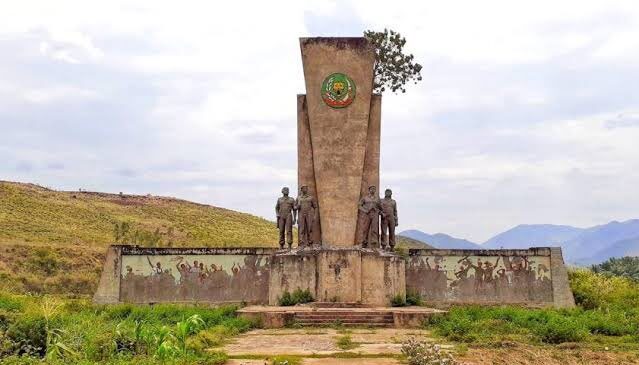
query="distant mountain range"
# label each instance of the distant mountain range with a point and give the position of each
(580, 245)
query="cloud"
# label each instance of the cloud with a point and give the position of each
(526, 114)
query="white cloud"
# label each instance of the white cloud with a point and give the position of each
(527, 112)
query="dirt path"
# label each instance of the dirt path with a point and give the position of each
(319, 346)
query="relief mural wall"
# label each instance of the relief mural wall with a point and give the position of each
(193, 278)
(484, 278)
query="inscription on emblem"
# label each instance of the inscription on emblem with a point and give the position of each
(338, 90)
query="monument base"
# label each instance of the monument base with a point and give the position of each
(309, 315)
(352, 276)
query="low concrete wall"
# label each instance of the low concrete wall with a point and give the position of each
(532, 277)
(213, 275)
(536, 276)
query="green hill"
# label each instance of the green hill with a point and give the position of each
(54, 241)
(33, 214)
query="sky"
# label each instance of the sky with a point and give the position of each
(528, 111)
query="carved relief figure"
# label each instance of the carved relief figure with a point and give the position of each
(305, 206)
(286, 214)
(490, 278)
(246, 278)
(369, 207)
(389, 220)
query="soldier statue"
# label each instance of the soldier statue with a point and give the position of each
(286, 214)
(389, 220)
(370, 207)
(305, 206)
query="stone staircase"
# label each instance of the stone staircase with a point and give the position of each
(349, 318)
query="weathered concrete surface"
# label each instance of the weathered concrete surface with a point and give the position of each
(338, 136)
(178, 275)
(290, 272)
(305, 169)
(108, 291)
(321, 341)
(522, 277)
(562, 294)
(383, 277)
(339, 275)
(401, 317)
(370, 175)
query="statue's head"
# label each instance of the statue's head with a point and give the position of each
(304, 189)
(285, 190)
(372, 189)
(388, 193)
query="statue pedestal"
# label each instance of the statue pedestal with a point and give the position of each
(350, 276)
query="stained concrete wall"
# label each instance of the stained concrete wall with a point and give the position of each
(305, 167)
(213, 275)
(384, 277)
(290, 272)
(338, 136)
(534, 276)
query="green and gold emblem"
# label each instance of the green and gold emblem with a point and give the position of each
(338, 90)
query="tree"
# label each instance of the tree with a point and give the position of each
(393, 69)
(626, 266)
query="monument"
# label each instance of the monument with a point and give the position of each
(341, 258)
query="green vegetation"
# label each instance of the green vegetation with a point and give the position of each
(398, 301)
(346, 343)
(607, 315)
(75, 331)
(393, 69)
(299, 296)
(413, 298)
(33, 214)
(54, 241)
(625, 267)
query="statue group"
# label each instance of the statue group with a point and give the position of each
(290, 211)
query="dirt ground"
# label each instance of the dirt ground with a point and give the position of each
(318, 346)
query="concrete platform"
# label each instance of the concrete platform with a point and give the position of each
(398, 317)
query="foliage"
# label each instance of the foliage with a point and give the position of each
(346, 343)
(423, 353)
(413, 298)
(76, 331)
(626, 267)
(398, 301)
(600, 291)
(393, 69)
(298, 296)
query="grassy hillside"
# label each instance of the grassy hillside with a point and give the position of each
(32, 214)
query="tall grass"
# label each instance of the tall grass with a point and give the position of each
(608, 311)
(76, 331)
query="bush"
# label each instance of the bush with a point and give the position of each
(423, 353)
(299, 296)
(28, 336)
(398, 301)
(346, 343)
(413, 298)
(599, 291)
(561, 329)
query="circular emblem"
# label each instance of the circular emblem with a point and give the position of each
(338, 90)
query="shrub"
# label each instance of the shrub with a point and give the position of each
(28, 335)
(561, 329)
(413, 298)
(592, 290)
(346, 343)
(423, 353)
(299, 296)
(398, 301)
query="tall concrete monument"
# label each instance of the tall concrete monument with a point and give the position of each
(338, 206)
(338, 133)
